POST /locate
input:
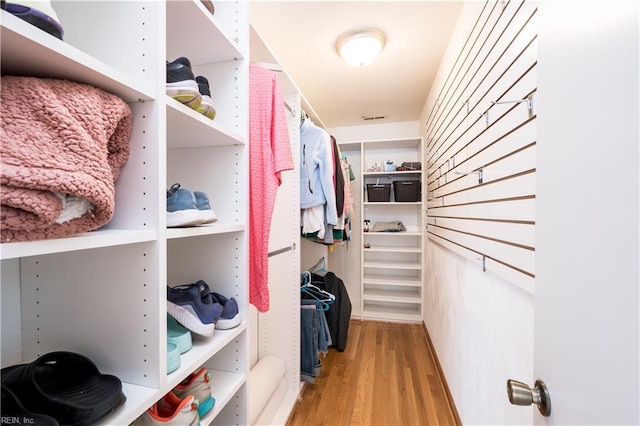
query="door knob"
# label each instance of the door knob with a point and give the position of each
(521, 394)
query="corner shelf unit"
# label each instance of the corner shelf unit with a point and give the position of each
(392, 262)
(103, 293)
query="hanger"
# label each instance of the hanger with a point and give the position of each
(319, 268)
(323, 299)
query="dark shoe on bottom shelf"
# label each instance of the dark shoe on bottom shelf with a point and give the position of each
(66, 386)
(12, 409)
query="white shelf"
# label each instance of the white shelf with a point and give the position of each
(192, 28)
(28, 51)
(131, 253)
(415, 173)
(88, 240)
(224, 386)
(392, 313)
(396, 295)
(391, 265)
(197, 231)
(392, 249)
(392, 270)
(392, 281)
(391, 203)
(187, 128)
(410, 232)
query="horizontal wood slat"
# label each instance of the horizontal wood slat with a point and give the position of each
(480, 153)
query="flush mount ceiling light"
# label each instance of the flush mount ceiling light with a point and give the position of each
(360, 47)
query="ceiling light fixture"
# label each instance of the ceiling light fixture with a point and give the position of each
(360, 47)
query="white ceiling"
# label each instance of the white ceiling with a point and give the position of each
(302, 36)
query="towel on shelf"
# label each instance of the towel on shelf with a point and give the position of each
(395, 226)
(62, 147)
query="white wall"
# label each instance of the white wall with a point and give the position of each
(481, 325)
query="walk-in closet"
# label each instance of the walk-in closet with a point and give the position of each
(211, 215)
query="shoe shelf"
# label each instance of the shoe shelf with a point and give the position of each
(196, 231)
(409, 295)
(390, 311)
(224, 386)
(393, 249)
(85, 241)
(202, 350)
(192, 27)
(187, 128)
(103, 293)
(27, 50)
(392, 281)
(392, 265)
(392, 262)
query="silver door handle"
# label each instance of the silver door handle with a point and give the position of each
(521, 394)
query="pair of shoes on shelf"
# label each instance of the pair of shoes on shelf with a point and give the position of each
(187, 208)
(186, 404)
(38, 13)
(178, 342)
(193, 91)
(200, 310)
(59, 388)
(171, 410)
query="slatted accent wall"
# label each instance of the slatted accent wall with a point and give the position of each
(481, 145)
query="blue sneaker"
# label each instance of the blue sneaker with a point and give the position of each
(230, 317)
(182, 208)
(207, 215)
(187, 306)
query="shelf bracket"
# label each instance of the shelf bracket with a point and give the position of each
(483, 261)
(478, 172)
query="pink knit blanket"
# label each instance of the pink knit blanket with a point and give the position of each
(62, 145)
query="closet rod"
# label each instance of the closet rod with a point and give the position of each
(282, 250)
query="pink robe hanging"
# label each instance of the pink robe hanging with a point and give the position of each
(269, 154)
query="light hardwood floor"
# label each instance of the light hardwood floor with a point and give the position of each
(386, 376)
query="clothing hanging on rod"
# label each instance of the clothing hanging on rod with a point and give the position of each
(269, 155)
(315, 337)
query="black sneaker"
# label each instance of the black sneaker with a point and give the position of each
(181, 84)
(206, 107)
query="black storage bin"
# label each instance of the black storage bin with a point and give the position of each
(378, 192)
(407, 191)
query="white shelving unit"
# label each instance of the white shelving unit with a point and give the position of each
(392, 262)
(103, 293)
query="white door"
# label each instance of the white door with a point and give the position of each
(587, 223)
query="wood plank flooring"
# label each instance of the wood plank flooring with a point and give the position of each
(386, 377)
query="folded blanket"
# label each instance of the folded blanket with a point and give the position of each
(395, 226)
(62, 145)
